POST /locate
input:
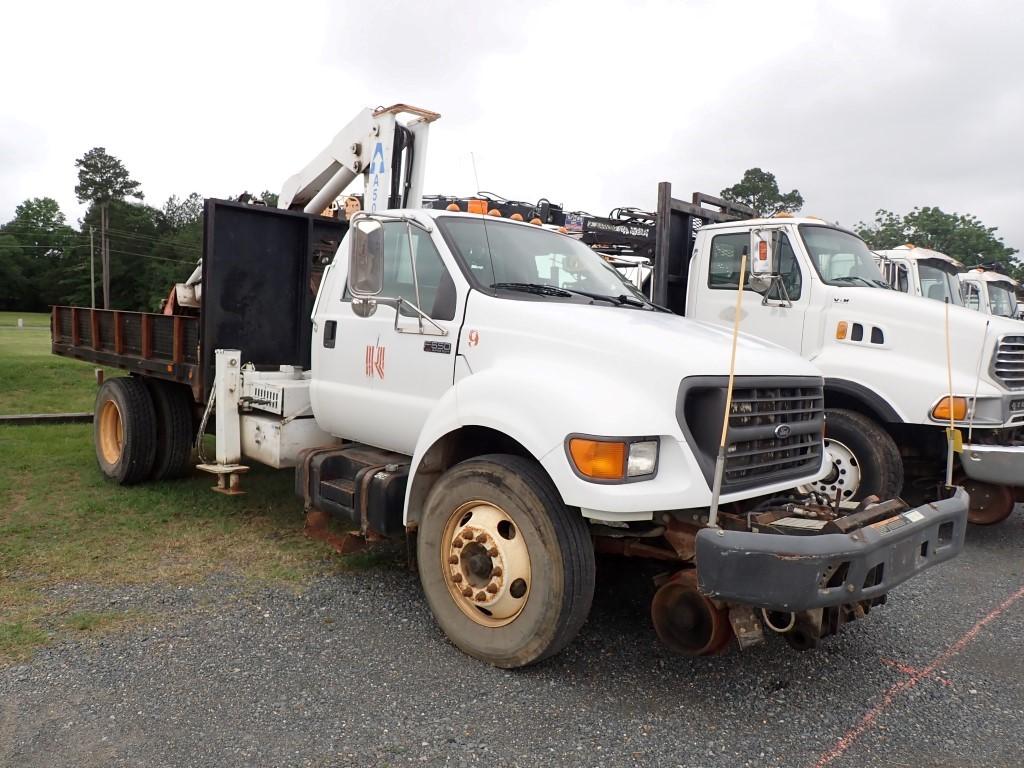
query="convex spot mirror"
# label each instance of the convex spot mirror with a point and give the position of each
(764, 252)
(366, 258)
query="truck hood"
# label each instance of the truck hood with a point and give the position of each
(632, 341)
(914, 327)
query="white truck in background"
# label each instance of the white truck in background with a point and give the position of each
(497, 392)
(887, 384)
(922, 272)
(991, 293)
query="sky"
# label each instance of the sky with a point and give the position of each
(859, 105)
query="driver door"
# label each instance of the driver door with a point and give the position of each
(776, 314)
(377, 380)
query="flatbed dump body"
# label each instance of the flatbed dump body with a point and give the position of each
(261, 269)
(161, 346)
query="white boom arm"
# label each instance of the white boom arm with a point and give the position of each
(364, 147)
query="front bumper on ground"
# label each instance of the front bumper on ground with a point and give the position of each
(798, 573)
(996, 464)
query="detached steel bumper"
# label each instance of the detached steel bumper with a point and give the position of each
(798, 573)
(996, 464)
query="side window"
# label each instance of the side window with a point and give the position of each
(724, 271)
(436, 287)
(726, 250)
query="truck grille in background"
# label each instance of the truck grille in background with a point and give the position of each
(775, 427)
(1008, 362)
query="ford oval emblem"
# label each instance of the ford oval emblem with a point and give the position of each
(782, 431)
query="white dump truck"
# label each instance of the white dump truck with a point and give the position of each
(498, 394)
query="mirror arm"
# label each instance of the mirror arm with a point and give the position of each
(421, 316)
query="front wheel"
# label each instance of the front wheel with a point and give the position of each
(865, 460)
(506, 567)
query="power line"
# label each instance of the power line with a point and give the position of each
(120, 233)
(112, 250)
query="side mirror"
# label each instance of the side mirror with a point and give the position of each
(366, 259)
(764, 248)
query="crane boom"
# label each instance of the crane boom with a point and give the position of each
(372, 145)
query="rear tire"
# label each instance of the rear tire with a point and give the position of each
(173, 405)
(495, 526)
(865, 459)
(124, 430)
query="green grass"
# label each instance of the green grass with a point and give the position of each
(32, 380)
(61, 521)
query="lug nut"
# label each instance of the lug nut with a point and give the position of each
(493, 551)
(492, 587)
(467, 592)
(496, 571)
(457, 578)
(467, 534)
(482, 538)
(458, 543)
(453, 560)
(481, 596)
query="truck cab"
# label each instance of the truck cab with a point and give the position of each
(991, 293)
(922, 272)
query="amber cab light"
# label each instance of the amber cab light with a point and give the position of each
(941, 411)
(477, 206)
(599, 459)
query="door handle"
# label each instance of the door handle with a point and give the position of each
(330, 333)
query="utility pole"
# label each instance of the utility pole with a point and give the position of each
(92, 268)
(105, 255)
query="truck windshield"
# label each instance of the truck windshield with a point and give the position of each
(841, 258)
(503, 255)
(1002, 300)
(939, 281)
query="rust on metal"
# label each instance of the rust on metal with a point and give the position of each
(682, 537)
(147, 337)
(118, 334)
(687, 621)
(318, 527)
(613, 545)
(94, 327)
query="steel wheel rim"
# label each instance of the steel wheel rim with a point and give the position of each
(845, 476)
(486, 564)
(111, 429)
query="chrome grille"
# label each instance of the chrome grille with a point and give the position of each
(1008, 362)
(775, 427)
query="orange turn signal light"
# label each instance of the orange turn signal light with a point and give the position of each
(598, 459)
(941, 411)
(841, 329)
(477, 206)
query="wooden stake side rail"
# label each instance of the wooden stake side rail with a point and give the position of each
(162, 346)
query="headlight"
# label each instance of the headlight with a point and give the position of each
(613, 459)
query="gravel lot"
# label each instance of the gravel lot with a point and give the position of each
(352, 671)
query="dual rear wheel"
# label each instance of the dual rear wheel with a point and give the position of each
(142, 429)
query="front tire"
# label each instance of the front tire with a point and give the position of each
(865, 459)
(507, 569)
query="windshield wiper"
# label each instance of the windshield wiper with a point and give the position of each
(851, 278)
(537, 288)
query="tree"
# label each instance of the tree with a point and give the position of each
(103, 178)
(962, 236)
(38, 245)
(760, 191)
(180, 213)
